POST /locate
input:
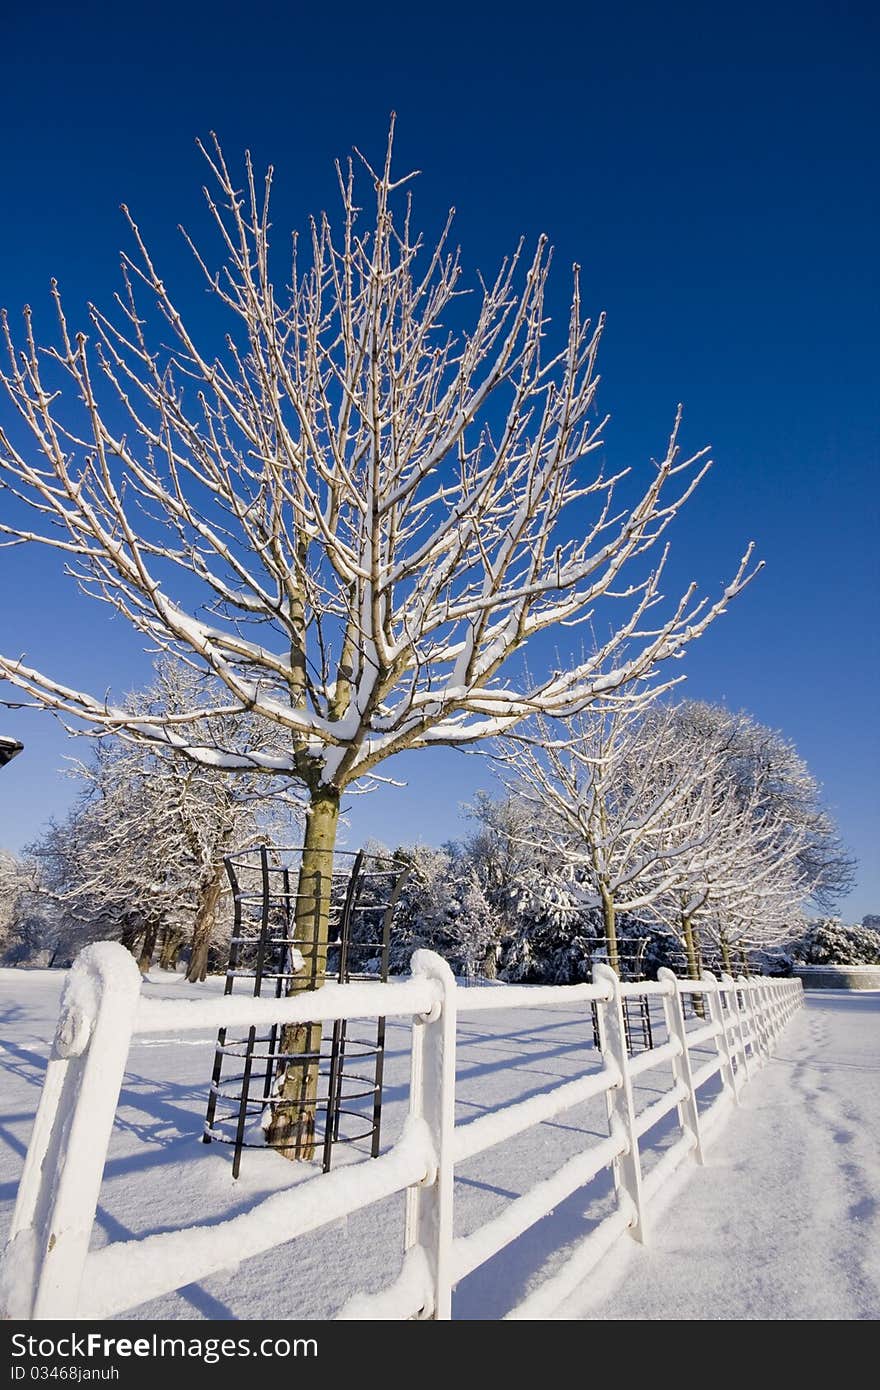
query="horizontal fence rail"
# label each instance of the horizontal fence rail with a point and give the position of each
(48, 1270)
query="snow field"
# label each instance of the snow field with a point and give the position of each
(160, 1177)
(783, 1223)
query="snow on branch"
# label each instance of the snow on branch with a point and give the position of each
(378, 497)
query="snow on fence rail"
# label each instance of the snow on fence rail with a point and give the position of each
(48, 1270)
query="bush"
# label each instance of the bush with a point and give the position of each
(831, 943)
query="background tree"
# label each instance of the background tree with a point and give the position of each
(373, 493)
(616, 797)
(829, 942)
(766, 771)
(444, 906)
(113, 866)
(140, 857)
(27, 924)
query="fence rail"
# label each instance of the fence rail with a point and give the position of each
(49, 1271)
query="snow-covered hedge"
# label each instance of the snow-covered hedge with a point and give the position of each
(829, 942)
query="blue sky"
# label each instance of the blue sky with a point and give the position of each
(713, 172)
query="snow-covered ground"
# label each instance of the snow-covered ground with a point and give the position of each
(783, 1222)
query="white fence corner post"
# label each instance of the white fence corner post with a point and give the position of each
(61, 1181)
(621, 1108)
(688, 1114)
(429, 1210)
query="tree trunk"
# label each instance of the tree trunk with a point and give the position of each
(172, 939)
(692, 952)
(489, 966)
(293, 1125)
(609, 921)
(726, 958)
(146, 956)
(131, 931)
(203, 927)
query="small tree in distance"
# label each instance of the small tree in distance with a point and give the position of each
(352, 516)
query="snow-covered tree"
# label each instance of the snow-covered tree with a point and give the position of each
(354, 515)
(761, 760)
(757, 905)
(141, 855)
(683, 816)
(744, 880)
(444, 907)
(111, 867)
(26, 918)
(616, 798)
(830, 942)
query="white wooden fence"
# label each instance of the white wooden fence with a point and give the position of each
(49, 1271)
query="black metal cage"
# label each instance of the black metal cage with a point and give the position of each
(276, 949)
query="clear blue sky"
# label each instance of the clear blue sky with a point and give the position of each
(712, 169)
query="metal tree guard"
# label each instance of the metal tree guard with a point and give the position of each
(364, 891)
(637, 1025)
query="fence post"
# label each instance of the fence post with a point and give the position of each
(763, 1042)
(734, 1033)
(432, 1098)
(722, 1041)
(773, 1007)
(58, 1193)
(621, 1109)
(781, 993)
(682, 1071)
(784, 1014)
(745, 1025)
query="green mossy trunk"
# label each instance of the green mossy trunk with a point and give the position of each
(692, 951)
(726, 958)
(145, 960)
(489, 964)
(609, 922)
(131, 933)
(172, 940)
(293, 1123)
(203, 927)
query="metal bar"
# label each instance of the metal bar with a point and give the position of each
(227, 989)
(252, 1032)
(337, 1051)
(384, 959)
